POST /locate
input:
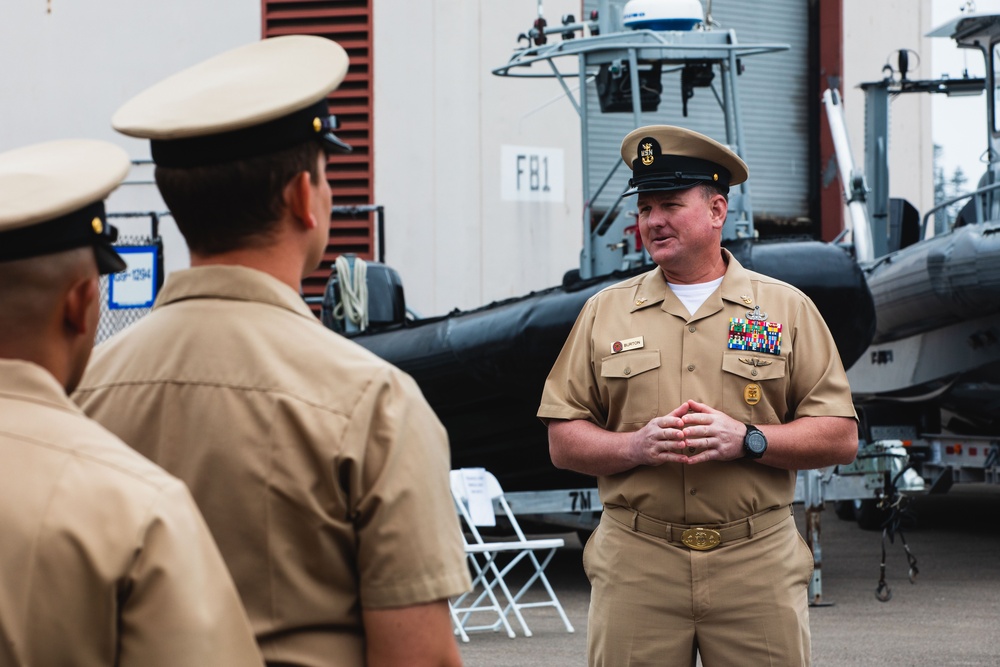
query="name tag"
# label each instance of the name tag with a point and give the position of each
(625, 345)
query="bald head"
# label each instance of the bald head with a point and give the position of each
(54, 242)
(49, 309)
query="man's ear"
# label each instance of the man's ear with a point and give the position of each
(719, 208)
(78, 305)
(298, 199)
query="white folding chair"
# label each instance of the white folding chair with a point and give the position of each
(483, 555)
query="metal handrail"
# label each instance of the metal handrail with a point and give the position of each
(379, 222)
(635, 40)
(980, 217)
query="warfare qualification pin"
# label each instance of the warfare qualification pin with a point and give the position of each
(751, 393)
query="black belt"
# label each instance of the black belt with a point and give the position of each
(703, 537)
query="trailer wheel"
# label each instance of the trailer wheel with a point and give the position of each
(844, 509)
(869, 515)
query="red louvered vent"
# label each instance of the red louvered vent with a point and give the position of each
(349, 23)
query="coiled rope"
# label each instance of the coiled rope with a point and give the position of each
(353, 305)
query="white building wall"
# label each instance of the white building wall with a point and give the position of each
(66, 66)
(873, 33)
(441, 120)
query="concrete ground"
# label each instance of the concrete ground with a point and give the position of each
(949, 617)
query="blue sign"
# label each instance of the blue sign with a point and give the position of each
(135, 287)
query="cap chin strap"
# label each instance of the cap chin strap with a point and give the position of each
(669, 186)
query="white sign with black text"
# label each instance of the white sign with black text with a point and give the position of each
(478, 494)
(531, 173)
(135, 287)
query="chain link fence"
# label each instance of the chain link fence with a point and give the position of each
(118, 314)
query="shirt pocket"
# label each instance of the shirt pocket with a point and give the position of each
(754, 394)
(633, 387)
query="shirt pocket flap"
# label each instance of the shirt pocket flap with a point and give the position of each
(743, 364)
(630, 364)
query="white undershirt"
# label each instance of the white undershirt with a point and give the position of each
(692, 296)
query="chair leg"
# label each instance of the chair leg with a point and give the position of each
(488, 592)
(482, 578)
(514, 602)
(552, 593)
(459, 628)
(511, 599)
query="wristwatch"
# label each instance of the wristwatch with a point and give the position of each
(754, 442)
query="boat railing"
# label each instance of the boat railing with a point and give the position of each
(663, 47)
(929, 229)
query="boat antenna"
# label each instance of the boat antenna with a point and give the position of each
(709, 22)
(540, 23)
(902, 64)
(536, 35)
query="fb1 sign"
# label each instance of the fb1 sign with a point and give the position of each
(531, 174)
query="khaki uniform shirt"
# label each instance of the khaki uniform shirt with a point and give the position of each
(669, 356)
(320, 469)
(104, 559)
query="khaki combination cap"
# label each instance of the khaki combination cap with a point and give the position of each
(666, 157)
(252, 100)
(53, 199)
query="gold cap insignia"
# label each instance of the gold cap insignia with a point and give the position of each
(317, 124)
(646, 153)
(715, 177)
(97, 225)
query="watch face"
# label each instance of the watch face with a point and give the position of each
(756, 442)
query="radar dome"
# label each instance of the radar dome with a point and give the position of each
(663, 14)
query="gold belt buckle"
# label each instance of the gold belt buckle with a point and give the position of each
(701, 539)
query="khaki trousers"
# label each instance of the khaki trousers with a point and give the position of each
(655, 603)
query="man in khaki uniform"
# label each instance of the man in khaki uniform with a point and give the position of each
(694, 392)
(320, 469)
(104, 558)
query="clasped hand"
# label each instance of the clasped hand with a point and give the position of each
(691, 433)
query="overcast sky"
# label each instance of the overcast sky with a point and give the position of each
(959, 124)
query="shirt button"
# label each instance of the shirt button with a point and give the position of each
(692, 328)
(753, 372)
(691, 367)
(693, 491)
(627, 370)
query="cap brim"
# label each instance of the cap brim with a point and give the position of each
(333, 144)
(108, 261)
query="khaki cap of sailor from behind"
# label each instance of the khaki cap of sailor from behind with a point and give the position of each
(53, 199)
(250, 101)
(667, 157)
